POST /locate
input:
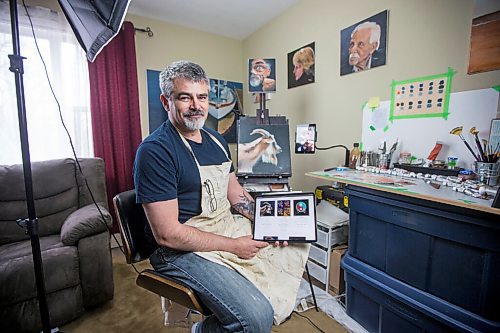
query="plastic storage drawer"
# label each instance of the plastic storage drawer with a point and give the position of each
(317, 272)
(381, 303)
(450, 252)
(319, 255)
(323, 238)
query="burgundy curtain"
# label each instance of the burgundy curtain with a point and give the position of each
(114, 102)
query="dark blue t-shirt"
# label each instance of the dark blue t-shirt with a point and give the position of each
(164, 168)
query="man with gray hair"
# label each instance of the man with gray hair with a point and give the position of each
(185, 180)
(365, 40)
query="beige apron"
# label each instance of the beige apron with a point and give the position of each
(275, 271)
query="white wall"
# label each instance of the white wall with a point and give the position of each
(424, 38)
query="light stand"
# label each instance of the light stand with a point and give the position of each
(31, 223)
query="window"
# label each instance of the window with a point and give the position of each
(68, 73)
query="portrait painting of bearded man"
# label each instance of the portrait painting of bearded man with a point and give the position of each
(364, 45)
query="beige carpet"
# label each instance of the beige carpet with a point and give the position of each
(134, 309)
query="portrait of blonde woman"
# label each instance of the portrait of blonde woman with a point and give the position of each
(301, 66)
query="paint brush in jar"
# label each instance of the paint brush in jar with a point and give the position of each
(458, 131)
(475, 133)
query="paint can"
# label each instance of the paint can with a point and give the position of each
(487, 173)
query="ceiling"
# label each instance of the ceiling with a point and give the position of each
(235, 18)
(231, 18)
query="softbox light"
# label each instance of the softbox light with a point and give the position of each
(94, 22)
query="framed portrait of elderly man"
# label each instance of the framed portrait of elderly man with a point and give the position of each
(364, 45)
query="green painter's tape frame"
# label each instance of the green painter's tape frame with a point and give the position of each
(363, 106)
(448, 75)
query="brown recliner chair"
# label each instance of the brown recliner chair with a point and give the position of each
(131, 220)
(74, 241)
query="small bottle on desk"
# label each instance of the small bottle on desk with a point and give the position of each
(354, 156)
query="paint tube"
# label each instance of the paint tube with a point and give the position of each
(435, 151)
(433, 154)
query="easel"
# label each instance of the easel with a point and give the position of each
(262, 112)
(262, 118)
(278, 181)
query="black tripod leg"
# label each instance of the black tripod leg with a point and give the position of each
(312, 289)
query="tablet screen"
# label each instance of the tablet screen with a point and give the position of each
(285, 217)
(305, 138)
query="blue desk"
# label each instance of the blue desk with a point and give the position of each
(419, 258)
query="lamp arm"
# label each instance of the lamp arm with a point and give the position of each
(347, 153)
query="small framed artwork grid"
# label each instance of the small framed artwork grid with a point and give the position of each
(422, 97)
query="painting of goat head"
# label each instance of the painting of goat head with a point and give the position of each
(263, 150)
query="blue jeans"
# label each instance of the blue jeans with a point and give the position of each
(237, 305)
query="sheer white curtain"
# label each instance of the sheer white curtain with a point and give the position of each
(68, 73)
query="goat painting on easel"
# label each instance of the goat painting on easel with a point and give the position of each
(263, 150)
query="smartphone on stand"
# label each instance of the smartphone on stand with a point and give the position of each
(305, 139)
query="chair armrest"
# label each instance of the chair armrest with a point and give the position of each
(84, 222)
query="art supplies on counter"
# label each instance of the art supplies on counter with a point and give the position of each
(485, 153)
(474, 188)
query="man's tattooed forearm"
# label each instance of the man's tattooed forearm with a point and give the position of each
(245, 206)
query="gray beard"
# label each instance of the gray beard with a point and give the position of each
(194, 125)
